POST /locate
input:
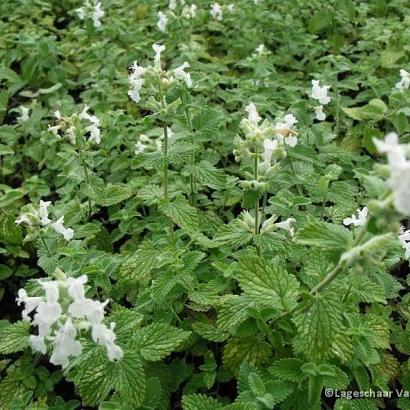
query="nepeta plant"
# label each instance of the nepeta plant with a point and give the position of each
(222, 226)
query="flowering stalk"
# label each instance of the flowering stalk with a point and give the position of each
(255, 170)
(293, 171)
(87, 178)
(192, 182)
(165, 128)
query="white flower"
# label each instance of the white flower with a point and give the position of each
(320, 115)
(24, 114)
(158, 51)
(283, 129)
(37, 344)
(172, 4)
(105, 336)
(396, 154)
(139, 147)
(80, 13)
(231, 8)
(404, 83)
(68, 233)
(399, 180)
(47, 314)
(358, 220)
(65, 345)
(216, 11)
(260, 49)
(287, 225)
(136, 81)
(54, 129)
(31, 303)
(253, 115)
(93, 310)
(180, 74)
(270, 147)
(23, 218)
(189, 11)
(320, 93)
(78, 312)
(71, 134)
(97, 15)
(404, 238)
(162, 21)
(76, 287)
(43, 212)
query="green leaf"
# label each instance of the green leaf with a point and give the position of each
(208, 175)
(200, 402)
(96, 377)
(374, 111)
(268, 283)
(181, 213)
(288, 369)
(256, 384)
(158, 340)
(323, 235)
(206, 123)
(5, 150)
(234, 234)
(15, 337)
(251, 350)
(107, 195)
(318, 321)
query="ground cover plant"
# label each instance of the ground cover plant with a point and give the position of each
(204, 205)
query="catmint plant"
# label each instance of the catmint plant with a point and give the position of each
(62, 314)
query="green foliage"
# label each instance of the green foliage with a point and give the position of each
(221, 266)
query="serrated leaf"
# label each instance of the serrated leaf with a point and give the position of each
(158, 340)
(208, 175)
(288, 369)
(15, 337)
(268, 283)
(373, 111)
(200, 402)
(318, 321)
(323, 235)
(206, 123)
(181, 213)
(250, 350)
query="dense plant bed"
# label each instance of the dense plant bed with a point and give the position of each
(204, 205)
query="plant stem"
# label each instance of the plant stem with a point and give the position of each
(255, 170)
(333, 274)
(293, 170)
(192, 182)
(165, 128)
(87, 178)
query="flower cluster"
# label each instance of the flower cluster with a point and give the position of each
(68, 126)
(152, 144)
(404, 238)
(39, 217)
(216, 11)
(399, 167)
(93, 11)
(24, 114)
(140, 75)
(404, 83)
(188, 12)
(64, 312)
(320, 94)
(358, 219)
(265, 138)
